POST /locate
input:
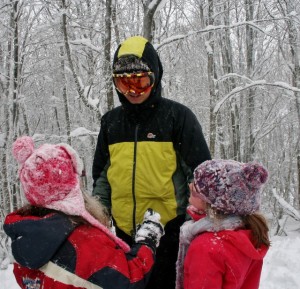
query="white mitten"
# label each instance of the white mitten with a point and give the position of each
(151, 230)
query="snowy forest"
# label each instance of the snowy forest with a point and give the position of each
(235, 63)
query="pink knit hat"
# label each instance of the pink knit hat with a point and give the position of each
(230, 186)
(50, 178)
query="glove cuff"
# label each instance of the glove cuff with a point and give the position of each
(147, 242)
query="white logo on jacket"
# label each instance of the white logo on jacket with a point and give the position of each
(151, 135)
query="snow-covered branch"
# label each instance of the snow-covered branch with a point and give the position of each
(211, 28)
(239, 89)
(290, 210)
(76, 133)
(87, 43)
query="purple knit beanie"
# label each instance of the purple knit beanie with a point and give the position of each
(230, 186)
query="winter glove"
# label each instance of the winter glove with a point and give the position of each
(151, 230)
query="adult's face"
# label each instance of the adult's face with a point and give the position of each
(136, 98)
(136, 87)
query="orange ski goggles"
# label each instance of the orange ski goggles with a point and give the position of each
(137, 83)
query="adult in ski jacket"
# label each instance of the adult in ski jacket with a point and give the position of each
(62, 239)
(146, 152)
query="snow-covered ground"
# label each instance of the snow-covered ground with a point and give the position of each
(281, 266)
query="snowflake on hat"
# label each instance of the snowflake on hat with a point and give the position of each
(230, 186)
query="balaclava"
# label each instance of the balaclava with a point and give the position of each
(137, 54)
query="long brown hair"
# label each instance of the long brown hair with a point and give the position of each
(255, 222)
(259, 228)
(96, 209)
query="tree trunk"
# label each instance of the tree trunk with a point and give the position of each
(249, 139)
(80, 90)
(107, 58)
(6, 204)
(15, 112)
(211, 82)
(149, 11)
(65, 95)
(227, 55)
(115, 23)
(294, 46)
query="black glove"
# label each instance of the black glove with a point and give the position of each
(151, 230)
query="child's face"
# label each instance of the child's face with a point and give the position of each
(196, 201)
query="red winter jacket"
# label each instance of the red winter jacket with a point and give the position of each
(52, 253)
(223, 260)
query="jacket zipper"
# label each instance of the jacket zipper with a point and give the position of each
(133, 231)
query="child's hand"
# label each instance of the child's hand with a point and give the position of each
(151, 230)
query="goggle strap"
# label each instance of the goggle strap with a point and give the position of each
(140, 74)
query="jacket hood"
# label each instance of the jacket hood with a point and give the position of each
(144, 50)
(36, 239)
(241, 240)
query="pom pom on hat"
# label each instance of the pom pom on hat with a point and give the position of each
(22, 148)
(255, 174)
(230, 186)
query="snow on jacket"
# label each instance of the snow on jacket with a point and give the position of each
(147, 152)
(52, 252)
(225, 259)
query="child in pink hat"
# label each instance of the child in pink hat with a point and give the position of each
(61, 239)
(224, 244)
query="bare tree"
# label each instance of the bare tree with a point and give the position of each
(294, 41)
(114, 20)
(211, 79)
(249, 96)
(107, 58)
(79, 87)
(65, 96)
(149, 8)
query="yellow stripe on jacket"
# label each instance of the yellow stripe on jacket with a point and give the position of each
(155, 166)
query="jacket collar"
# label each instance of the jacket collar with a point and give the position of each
(36, 239)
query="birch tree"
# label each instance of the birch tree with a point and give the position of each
(249, 96)
(294, 39)
(211, 79)
(107, 57)
(149, 8)
(6, 61)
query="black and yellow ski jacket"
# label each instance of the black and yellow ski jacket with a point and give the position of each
(146, 153)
